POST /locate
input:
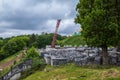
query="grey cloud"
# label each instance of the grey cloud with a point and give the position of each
(34, 14)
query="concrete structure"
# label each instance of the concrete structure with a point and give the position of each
(15, 72)
(57, 61)
(82, 55)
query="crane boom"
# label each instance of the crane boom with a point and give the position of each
(55, 33)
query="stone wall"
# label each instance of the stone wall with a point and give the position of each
(81, 56)
(15, 72)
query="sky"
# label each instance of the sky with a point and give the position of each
(20, 17)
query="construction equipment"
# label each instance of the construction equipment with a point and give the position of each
(55, 33)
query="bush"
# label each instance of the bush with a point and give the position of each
(32, 53)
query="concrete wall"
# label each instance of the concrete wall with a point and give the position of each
(80, 56)
(15, 72)
(16, 76)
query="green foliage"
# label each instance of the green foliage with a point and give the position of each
(10, 57)
(10, 46)
(6, 60)
(100, 22)
(112, 79)
(1, 43)
(73, 72)
(37, 62)
(14, 45)
(4, 71)
(32, 53)
(33, 40)
(32, 71)
(73, 40)
(46, 39)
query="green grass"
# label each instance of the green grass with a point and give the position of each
(10, 57)
(73, 40)
(72, 72)
(7, 68)
(4, 71)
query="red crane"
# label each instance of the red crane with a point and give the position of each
(55, 33)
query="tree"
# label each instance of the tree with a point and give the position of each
(46, 39)
(32, 53)
(100, 22)
(14, 45)
(32, 40)
(1, 43)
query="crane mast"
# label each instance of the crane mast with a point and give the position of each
(55, 33)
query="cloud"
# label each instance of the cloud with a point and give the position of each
(36, 16)
(6, 24)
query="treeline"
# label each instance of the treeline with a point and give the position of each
(10, 46)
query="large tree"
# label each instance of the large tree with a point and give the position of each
(14, 45)
(100, 23)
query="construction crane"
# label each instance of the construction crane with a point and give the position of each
(55, 33)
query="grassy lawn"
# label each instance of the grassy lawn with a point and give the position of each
(72, 72)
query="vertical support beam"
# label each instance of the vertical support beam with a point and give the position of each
(55, 34)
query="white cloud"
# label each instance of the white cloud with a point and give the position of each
(14, 32)
(66, 23)
(36, 16)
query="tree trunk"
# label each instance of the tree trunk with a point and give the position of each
(104, 55)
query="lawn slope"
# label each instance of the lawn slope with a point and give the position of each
(9, 60)
(73, 40)
(5, 65)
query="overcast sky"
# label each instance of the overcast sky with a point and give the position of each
(19, 17)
